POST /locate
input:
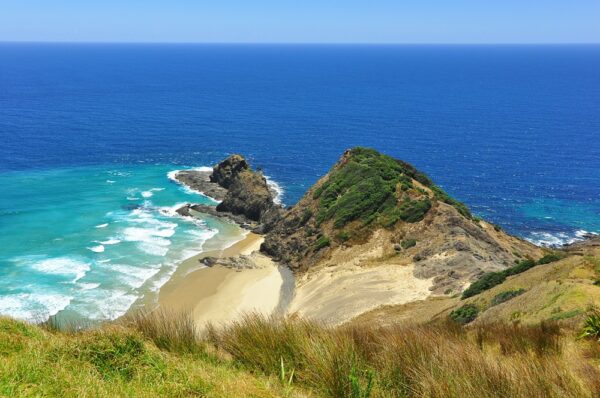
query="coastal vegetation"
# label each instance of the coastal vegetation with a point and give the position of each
(267, 357)
(491, 279)
(377, 190)
(506, 295)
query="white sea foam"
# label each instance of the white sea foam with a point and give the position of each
(33, 307)
(102, 225)
(149, 193)
(132, 276)
(276, 190)
(97, 249)
(62, 266)
(171, 211)
(101, 304)
(110, 181)
(88, 286)
(171, 176)
(558, 239)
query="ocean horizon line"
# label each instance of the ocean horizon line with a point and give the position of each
(299, 43)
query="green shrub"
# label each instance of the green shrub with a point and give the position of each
(322, 242)
(506, 295)
(343, 236)
(491, 279)
(408, 243)
(597, 282)
(465, 314)
(522, 266)
(550, 258)
(365, 188)
(487, 281)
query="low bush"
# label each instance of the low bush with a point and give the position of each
(321, 242)
(550, 258)
(465, 314)
(408, 243)
(522, 266)
(343, 236)
(506, 295)
(491, 279)
(487, 281)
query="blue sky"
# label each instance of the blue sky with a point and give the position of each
(324, 21)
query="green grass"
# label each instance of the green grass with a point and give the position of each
(265, 357)
(565, 314)
(115, 361)
(367, 188)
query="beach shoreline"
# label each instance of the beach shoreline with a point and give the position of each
(221, 294)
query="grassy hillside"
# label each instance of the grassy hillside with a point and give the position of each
(115, 362)
(160, 355)
(563, 289)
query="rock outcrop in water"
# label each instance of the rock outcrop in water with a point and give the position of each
(244, 193)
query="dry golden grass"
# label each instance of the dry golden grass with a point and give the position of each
(161, 354)
(436, 360)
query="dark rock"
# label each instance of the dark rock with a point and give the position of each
(245, 195)
(225, 173)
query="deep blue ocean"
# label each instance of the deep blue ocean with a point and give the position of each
(90, 132)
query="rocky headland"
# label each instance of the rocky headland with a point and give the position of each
(374, 231)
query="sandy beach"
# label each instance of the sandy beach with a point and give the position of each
(219, 294)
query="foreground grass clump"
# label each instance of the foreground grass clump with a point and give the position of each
(373, 187)
(435, 360)
(115, 361)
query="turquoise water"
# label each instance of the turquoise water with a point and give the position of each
(90, 241)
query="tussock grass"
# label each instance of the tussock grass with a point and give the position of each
(161, 354)
(169, 330)
(436, 360)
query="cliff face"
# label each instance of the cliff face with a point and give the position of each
(372, 210)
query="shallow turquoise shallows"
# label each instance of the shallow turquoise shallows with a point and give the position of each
(92, 240)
